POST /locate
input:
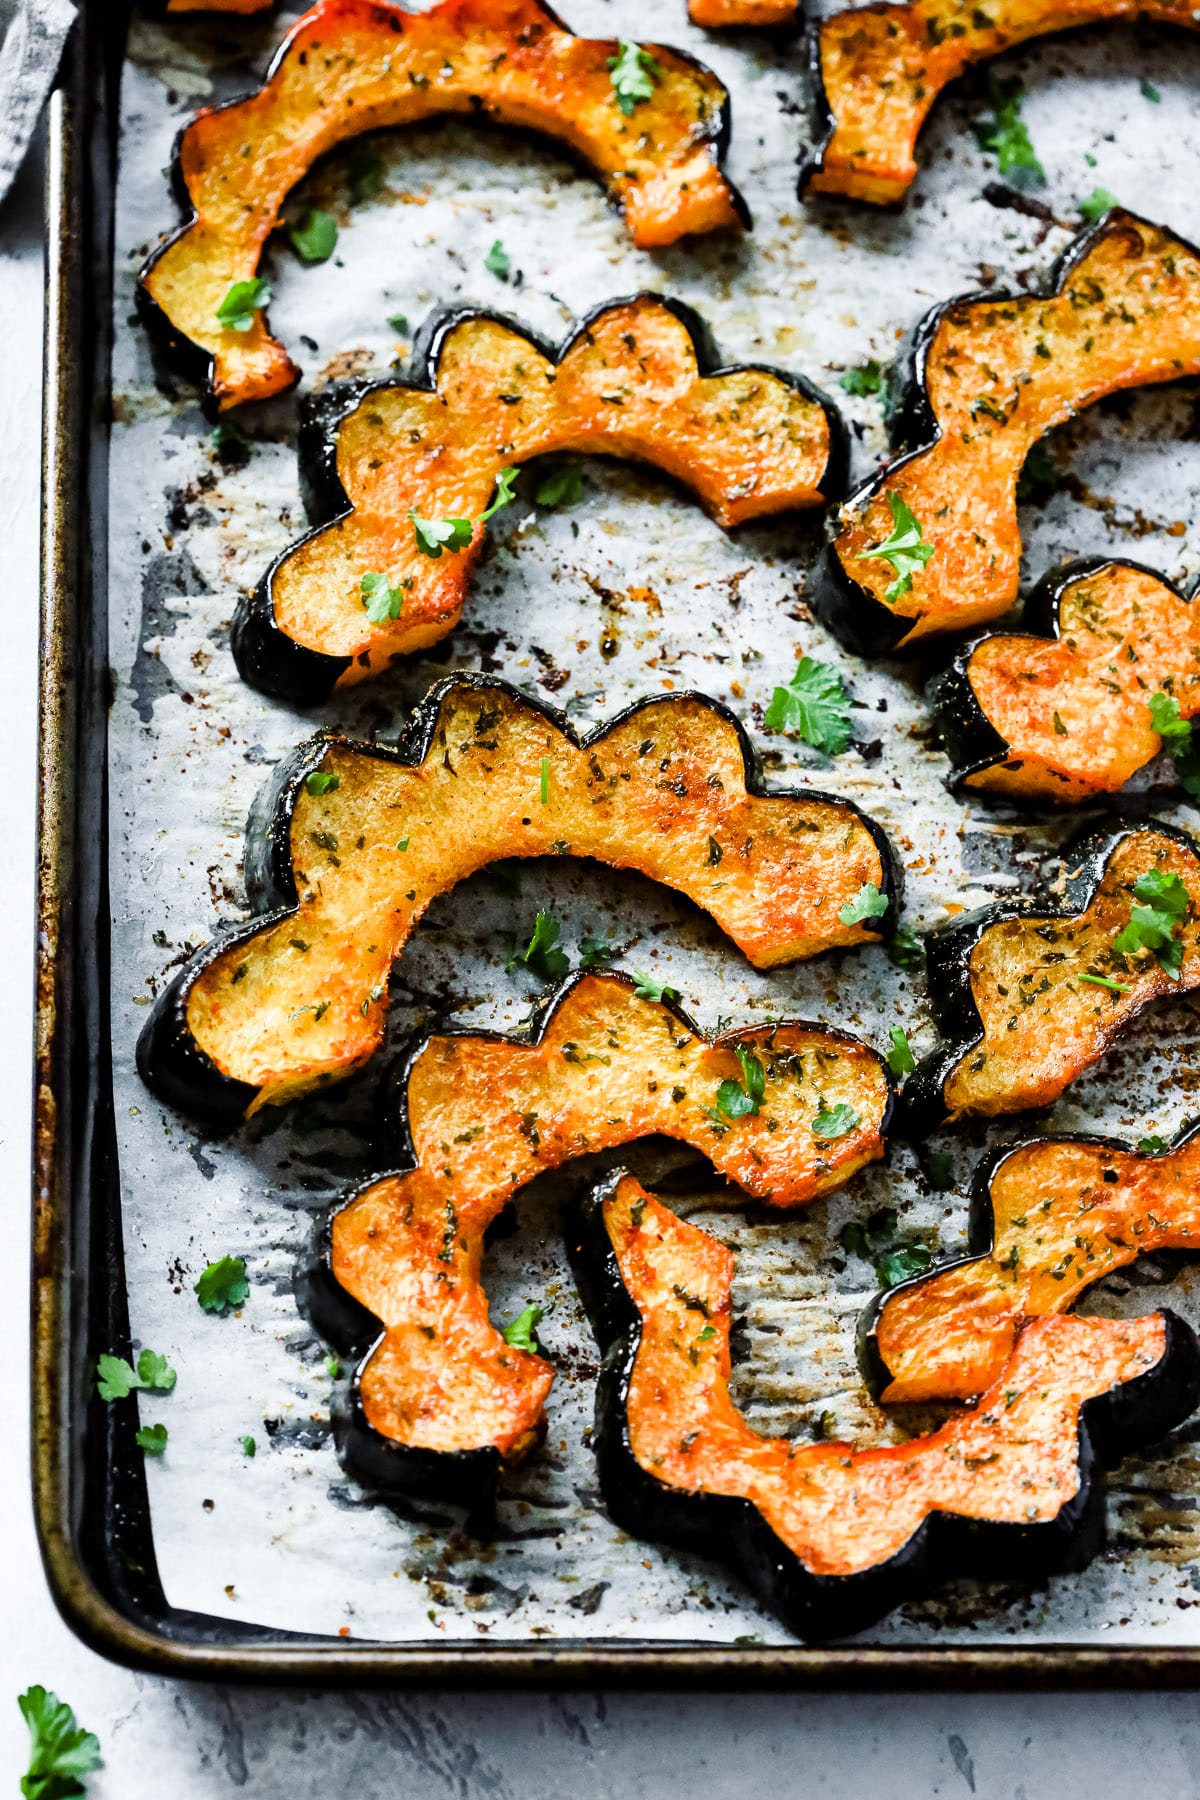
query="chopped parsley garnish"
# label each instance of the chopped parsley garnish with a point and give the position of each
(649, 989)
(381, 599)
(435, 535)
(223, 1285)
(868, 903)
(1150, 92)
(736, 1101)
(333, 1367)
(249, 1447)
(900, 1059)
(116, 1378)
(866, 379)
(1039, 478)
(1105, 981)
(321, 781)
(1098, 202)
(1152, 1145)
(521, 1334)
(1178, 741)
(835, 1121)
(497, 263)
(1160, 904)
(152, 1439)
(634, 74)
(315, 239)
(544, 782)
(61, 1752)
(877, 1242)
(399, 323)
(906, 951)
(814, 705)
(236, 311)
(542, 954)
(594, 953)
(1005, 133)
(905, 549)
(562, 487)
(230, 443)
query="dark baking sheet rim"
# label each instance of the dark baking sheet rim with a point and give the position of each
(90, 1496)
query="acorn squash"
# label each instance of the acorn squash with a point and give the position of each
(633, 379)
(1048, 1218)
(1028, 996)
(878, 70)
(351, 66)
(350, 842)
(1062, 710)
(441, 1401)
(832, 1537)
(931, 543)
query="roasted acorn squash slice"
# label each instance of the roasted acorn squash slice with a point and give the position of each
(832, 1537)
(1048, 1218)
(634, 379)
(441, 1400)
(986, 378)
(1061, 710)
(877, 71)
(350, 66)
(350, 842)
(1027, 997)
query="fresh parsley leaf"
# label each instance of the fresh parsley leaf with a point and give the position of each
(906, 951)
(117, 1378)
(938, 1169)
(634, 74)
(399, 323)
(321, 781)
(381, 599)
(835, 1121)
(245, 298)
(497, 263)
(1098, 202)
(230, 444)
(868, 903)
(1005, 133)
(1039, 478)
(541, 954)
(315, 238)
(333, 1367)
(152, 1439)
(562, 487)
(893, 1266)
(521, 1334)
(1152, 1145)
(736, 1101)
(435, 535)
(505, 483)
(905, 548)
(814, 705)
(1179, 741)
(649, 989)
(900, 1059)
(249, 1447)
(1150, 92)
(594, 953)
(866, 379)
(1164, 717)
(61, 1752)
(223, 1285)
(705, 1333)
(1152, 923)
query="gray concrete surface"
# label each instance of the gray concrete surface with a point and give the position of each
(198, 1742)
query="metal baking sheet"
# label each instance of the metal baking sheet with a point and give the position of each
(633, 592)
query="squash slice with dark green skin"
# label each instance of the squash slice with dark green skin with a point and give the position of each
(832, 1537)
(635, 379)
(1048, 1218)
(1060, 711)
(987, 376)
(351, 66)
(441, 1401)
(877, 72)
(350, 842)
(1028, 996)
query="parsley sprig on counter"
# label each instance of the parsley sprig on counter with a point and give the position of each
(814, 706)
(878, 1242)
(61, 1751)
(521, 1332)
(116, 1378)
(1005, 133)
(223, 1285)
(315, 238)
(542, 954)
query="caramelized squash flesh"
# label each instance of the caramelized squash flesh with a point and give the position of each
(838, 1511)
(491, 775)
(741, 15)
(1073, 711)
(628, 383)
(486, 1114)
(351, 66)
(1065, 1212)
(883, 67)
(996, 374)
